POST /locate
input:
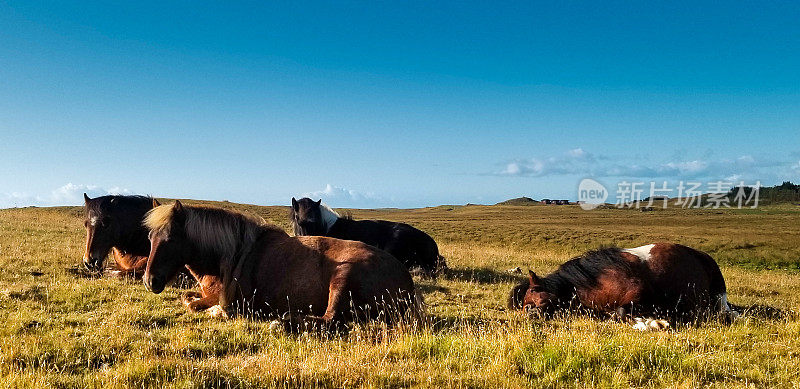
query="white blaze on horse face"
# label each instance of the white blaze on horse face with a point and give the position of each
(329, 216)
(643, 252)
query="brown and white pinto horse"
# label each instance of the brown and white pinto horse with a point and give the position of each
(114, 224)
(267, 273)
(657, 279)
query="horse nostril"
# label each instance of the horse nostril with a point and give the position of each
(154, 284)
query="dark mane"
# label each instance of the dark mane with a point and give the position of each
(99, 204)
(583, 271)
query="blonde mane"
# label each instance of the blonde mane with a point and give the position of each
(225, 235)
(214, 230)
(158, 218)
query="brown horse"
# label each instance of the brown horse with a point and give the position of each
(411, 246)
(266, 272)
(114, 224)
(657, 279)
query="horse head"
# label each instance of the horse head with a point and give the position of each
(307, 217)
(107, 223)
(537, 300)
(169, 246)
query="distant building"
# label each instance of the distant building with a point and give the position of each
(555, 202)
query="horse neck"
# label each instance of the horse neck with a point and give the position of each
(342, 227)
(220, 246)
(133, 235)
(329, 217)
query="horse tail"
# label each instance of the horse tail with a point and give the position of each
(717, 281)
(418, 307)
(441, 263)
(435, 262)
(716, 286)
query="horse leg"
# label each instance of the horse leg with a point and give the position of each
(207, 298)
(196, 302)
(620, 314)
(190, 297)
(334, 312)
(128, 266)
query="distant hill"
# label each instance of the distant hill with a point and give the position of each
(519, 201)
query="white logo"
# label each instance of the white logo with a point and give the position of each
(591, 194)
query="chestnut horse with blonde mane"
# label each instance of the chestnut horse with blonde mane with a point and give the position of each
(267, 273)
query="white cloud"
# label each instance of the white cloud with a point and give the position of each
(580, 162)
(345, 198)
(574, 161)
(69, 194)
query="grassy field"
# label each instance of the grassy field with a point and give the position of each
(59, 330)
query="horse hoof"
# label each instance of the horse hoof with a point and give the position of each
(217, 312)
(649, 324)
(274, 327)
(418, 272)
(188, 299)
(114, 274)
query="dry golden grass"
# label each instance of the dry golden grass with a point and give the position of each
(62, 331)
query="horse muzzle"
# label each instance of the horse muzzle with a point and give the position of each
(154, 284)
(93, 264)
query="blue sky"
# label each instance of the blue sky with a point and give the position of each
(400, 104)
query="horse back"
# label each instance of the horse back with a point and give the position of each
(684, 271)
(372, 232)
(310, 268)
(410, 245)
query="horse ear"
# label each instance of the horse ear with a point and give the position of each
(177, 207)
(155, 202)
(319, 202)
(533, 278)
(295, 206)
(86, 198)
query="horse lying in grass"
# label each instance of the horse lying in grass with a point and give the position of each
(267, 273)
(114, 223)
(662, 280)
(411, 246)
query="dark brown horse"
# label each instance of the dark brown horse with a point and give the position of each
(657, 279)
(266, 272)
(114, 224)
(411, 246)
